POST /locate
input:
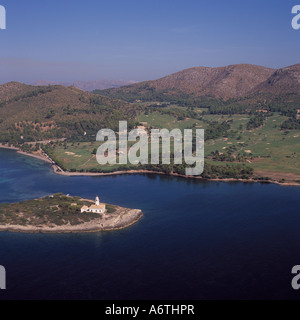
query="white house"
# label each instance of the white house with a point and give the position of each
(95, 208)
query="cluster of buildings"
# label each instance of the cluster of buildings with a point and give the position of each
(95, 208)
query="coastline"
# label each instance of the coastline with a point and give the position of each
(123, 219)
(59, 171)
(32, 155)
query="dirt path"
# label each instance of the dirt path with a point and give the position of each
(93, 157)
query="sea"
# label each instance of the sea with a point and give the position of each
(197, 240)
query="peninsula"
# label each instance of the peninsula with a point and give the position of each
(61, 213)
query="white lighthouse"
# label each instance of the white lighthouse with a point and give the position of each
(96, 208)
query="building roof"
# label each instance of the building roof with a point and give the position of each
(84, 207)
(101, 206)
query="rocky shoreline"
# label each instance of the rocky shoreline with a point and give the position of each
(123, 218)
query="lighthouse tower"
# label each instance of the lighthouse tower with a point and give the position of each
(97, 201)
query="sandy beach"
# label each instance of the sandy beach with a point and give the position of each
(33, 155)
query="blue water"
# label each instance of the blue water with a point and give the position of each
(197, 240)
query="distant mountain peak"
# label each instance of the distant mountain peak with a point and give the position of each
(87, 85)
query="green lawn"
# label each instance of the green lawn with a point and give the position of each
(273, 149)
(157, 120)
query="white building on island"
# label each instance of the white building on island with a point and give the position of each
(96, 208)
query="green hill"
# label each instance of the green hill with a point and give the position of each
(30, 113)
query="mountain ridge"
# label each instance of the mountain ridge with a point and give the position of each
(89, 85)
(230, 82)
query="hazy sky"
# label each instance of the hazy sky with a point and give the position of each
(70, 40)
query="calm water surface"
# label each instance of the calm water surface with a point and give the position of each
(197, 240)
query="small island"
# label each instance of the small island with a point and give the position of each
(61, 213)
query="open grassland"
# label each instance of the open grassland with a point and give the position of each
(157, 120)
(272, 149)
(79, 156)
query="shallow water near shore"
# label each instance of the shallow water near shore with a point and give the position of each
(197, 239)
